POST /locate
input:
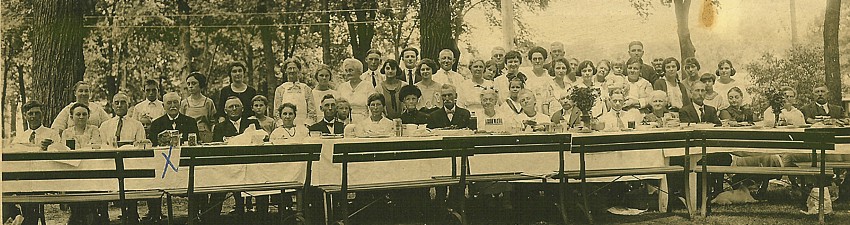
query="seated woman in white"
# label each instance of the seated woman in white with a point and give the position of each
(492, 118)
(377, 125)
(530, 118)
(288, 132)
(85, 136)
(790, 114)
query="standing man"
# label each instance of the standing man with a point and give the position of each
(445, 75)
(373, 74)
(450, 115)
(410, 59)
(151, 106)
(557, 50)
(329, 124)
(822, 111)
(636, 53)
(497, 56)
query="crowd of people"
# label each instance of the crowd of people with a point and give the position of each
(503, 96)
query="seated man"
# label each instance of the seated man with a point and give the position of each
(530, 118)
(172, 120)
(698, 112)
(789, 113)
(38, 138)
(121, 128)
(235, 123)
(450, 115)
(410, 95)
(823, 111)
(618, 119)
(329, 124)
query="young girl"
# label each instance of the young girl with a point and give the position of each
(390, 88)
(199, 106)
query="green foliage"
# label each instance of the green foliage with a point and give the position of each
(584, 98)
(801, 69)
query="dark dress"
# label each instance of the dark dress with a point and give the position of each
(414, 117)
(738, 114)
(245, 97)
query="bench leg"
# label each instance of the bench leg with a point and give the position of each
(663, 196)
(170, 206)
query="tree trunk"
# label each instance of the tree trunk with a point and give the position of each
(831, 57)
(269, 61)
(326, 34)
(7, 60)
(360, 28)
(793, 8)
(686, 46)
(57, 53)
(186, 49)
(436, 28)
(22, 92)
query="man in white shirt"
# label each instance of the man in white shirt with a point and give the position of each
(151, 106)
(121, 128)
(410, 60)
(373, 74)
(530, 116)
(618, 119)
(37, 135)
(445, 75)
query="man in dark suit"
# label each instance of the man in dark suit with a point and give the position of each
(329, 124)
(235, 123)
(698, 112)
(450, 115)
(172, 120)
(822, 108)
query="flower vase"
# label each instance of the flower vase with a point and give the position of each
(776, 121)
(585, 122)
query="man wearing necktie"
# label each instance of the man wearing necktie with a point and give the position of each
(616, 119)
(698, 112)
(172, 120)
(373, 64)
(450, 115)
(36, 135)
(446, 75)
(409, 59)
(823, 111)
(121, 127)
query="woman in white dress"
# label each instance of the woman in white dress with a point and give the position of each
(355, 90)
(288, 131)
(470, 91)
(85, 136)
(377, 125)
(725, 71)
(324, 85)
(493, 118)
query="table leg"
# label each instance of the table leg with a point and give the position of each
(663, 194)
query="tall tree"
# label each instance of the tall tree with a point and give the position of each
(58, 63)
(683, 8)
(436, 28)
(831, 57)
(360, 17)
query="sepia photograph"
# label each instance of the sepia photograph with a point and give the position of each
(419, 112)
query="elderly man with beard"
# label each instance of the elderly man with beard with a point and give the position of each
(450, 115)
(822, 111)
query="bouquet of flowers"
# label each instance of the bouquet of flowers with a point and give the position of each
(776, 99)
(584, 98)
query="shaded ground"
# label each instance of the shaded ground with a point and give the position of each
(782, 209)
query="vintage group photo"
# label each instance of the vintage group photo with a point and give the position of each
(409, 112)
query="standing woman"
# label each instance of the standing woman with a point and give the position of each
(295, 92)
(676, 92)
(469, 95)
(561, 82)
(324, 85)
(355, 90)
(430, 89)
(586, 71)
(725, 71)
(390, 88)
(82, 93)
(85, 136)
(237, 88)
(198, 106)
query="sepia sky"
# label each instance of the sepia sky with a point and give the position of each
(595, 30)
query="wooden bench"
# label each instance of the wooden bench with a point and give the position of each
(365, 152)
(197, 156)
(518, 144)
(628, 142)
(119, 173)
(810, 140)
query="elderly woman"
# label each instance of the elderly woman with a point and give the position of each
(568, 115)
(470, 90)
(737, 113)
(84, 135)
(377, 125)
(237, 88)
(295, 92)
(355, 90)
(324, 85)
(391, 87)
(669, 83)
(430, 89)
(493, 118)
(658, 108)
(198, 106)
(82, 93)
